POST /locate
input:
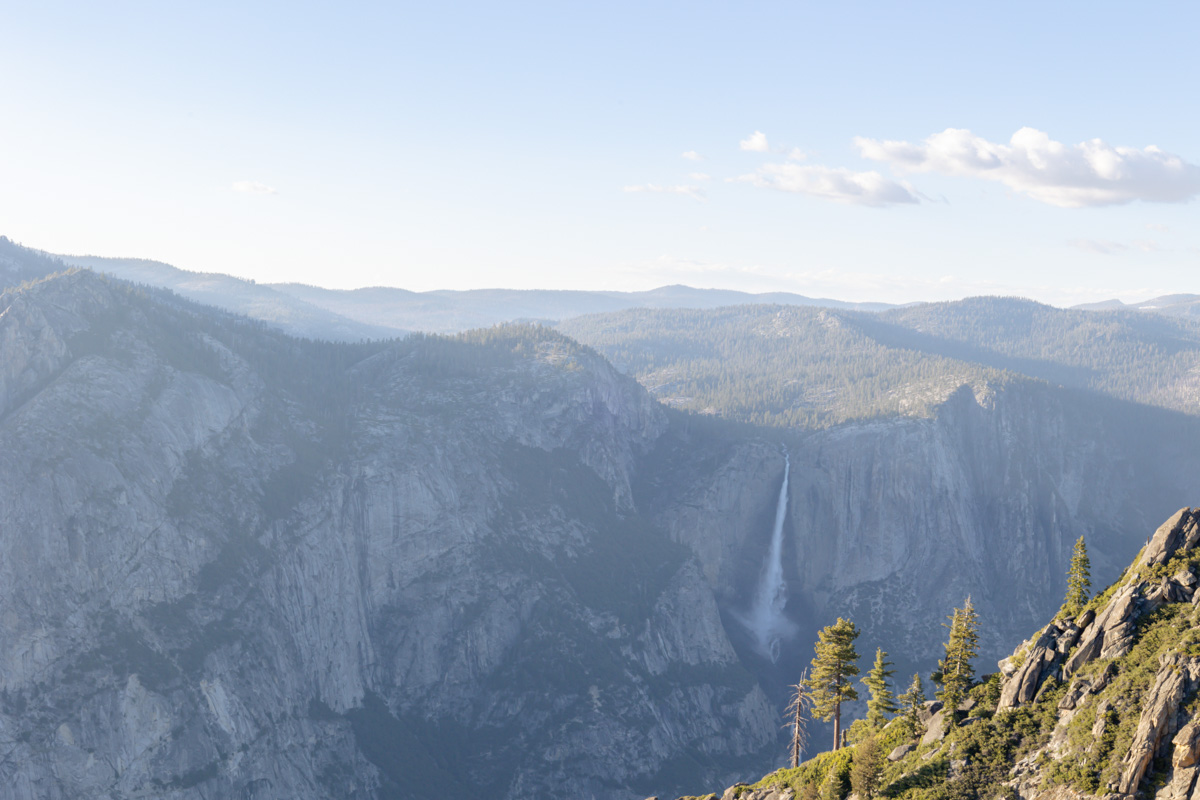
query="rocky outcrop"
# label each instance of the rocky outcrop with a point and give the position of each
(1064, 647)
(1159, 721)
(1182, 530)
(1025, 672)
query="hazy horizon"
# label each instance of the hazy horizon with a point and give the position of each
(895, 156)
(1140, 298)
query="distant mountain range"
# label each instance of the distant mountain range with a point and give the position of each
(381, 312)
(1174, 305)
(385, 312)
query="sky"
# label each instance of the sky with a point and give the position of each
(876, 151)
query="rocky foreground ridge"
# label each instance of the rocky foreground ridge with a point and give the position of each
(1105, 704)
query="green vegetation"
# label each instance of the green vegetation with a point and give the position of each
(1079, 580)
(867, 768)
(1077, 733)
(802, 367)
(832, 668)
(911, 703)
(882, 703)
(773, 365)
(955, 671)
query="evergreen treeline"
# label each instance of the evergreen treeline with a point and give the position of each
(897, 725)
(810, 367)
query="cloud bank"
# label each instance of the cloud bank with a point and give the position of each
(840, 185)
(1091, 173)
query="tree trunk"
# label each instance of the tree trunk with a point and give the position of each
(837, 726)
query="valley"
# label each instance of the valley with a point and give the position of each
(239, 562)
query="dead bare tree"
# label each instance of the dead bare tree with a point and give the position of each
(797, 714)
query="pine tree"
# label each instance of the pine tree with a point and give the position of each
(1079, 580)
(867, 767)
(836, 784)
(832, 670)
(883, 700)
(911, 703)
(798, 720)
(956, 670)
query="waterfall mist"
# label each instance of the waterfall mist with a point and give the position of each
(765, 619)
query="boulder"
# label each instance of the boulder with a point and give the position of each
(935, 729)
(928, 711)
(1187, 745)
(1185, 577)
(1185, 764)
(1181, 530)
(1085, 619)
(1101, 724)
(1111, 634)
(734, 791)
(1068, 638)
(1023, 686)
(901, 751)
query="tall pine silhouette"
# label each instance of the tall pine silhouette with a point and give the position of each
(833, 669)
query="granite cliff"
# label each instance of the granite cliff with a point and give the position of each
(233, 563)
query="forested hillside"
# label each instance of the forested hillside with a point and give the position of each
(803, 367)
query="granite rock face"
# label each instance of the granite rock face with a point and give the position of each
(238, 564)
(233, 564)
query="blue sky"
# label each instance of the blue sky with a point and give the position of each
(461, 145)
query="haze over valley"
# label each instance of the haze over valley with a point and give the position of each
(611, 401)
(443, 543)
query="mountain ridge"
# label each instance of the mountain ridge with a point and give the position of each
(420, 557)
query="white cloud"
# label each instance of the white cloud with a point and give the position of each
(796, 154)
(253, 187)
(1091, 173)
(692, 155)
(1157, 226)
(695, 192)
(699, 176)
(837, 184)
(755, 143)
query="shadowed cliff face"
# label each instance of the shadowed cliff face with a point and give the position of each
(233, 563)
(895, 522)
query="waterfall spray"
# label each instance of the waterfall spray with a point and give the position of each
(766, 620)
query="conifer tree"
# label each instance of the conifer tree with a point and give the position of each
(866, 769)
(832, 670)
(883, 700)
(911, 703)
(1079, 579)
(836, 784)
(798, 720)
(956, 669)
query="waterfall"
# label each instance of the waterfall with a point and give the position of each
(766, 620)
